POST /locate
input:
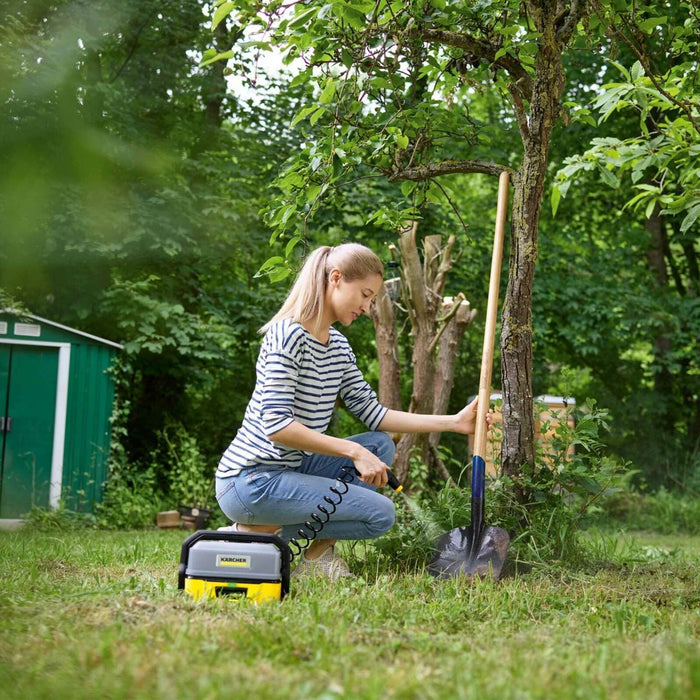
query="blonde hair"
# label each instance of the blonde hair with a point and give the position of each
(307, 297)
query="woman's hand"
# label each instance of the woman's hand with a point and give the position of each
(370, 468)
(466, 418)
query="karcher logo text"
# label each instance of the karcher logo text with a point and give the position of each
(233, 560)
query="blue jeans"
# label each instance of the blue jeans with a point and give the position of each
(280, 496)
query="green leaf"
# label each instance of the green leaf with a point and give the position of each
(328, 92)
(402, 141)
(272, 262)
(218, 57)
(637, 71)
(407, 187)
(221, 12)
(337, 166)
(290, 246)
(650, 209)
(555, 198)
(648, 25)
(434, 194)
(316, 115)
(690, 218)
(608, 177)
(279, 273)
(346, 58)
(355, 19)
(301, 19)
(303, 113)
(622, 70)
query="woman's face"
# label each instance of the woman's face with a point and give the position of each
(349, 300)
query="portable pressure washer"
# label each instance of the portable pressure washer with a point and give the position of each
(252, 565)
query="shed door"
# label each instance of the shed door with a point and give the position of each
(28, 379)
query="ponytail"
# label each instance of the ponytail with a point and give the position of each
(307, 297)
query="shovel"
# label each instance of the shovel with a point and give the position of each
(479, 549)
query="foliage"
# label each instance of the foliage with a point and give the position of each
(9, 303)
(563, 486)
(131, 208)
(190, 479)
(561, 489)
(664, 511)
(132, 498)
(399, 91)
(59, 519)
(128, 213)
(642, 168)
(663, 164)
(663, 160)
(175, 473)
(380, 103)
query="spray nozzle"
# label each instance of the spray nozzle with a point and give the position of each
(393, 482)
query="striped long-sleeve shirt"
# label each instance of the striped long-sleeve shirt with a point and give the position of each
(298, 379)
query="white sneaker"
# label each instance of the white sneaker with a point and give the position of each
(328, 565)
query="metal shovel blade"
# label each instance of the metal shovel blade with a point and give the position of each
(459, 553)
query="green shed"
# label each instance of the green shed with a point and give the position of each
(56, 397)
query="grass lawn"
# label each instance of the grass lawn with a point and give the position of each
(94, 614)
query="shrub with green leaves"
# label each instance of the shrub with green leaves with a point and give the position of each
(665, 511)
(132, 498)
(190, 478)
(559, 491)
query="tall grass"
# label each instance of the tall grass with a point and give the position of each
(95, 614)
(663, 511)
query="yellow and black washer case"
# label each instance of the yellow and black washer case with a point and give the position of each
(250, 565)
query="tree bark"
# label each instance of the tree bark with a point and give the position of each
(437, 327)
(384, 319)
(215, 89)
(460, 317)
(422, 307)
(662, 343)
(516, 331)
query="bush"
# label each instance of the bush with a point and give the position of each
(190, 479)
(559, 492)
(61, 518)
(132, 498)
(177, 474)
(666, 512)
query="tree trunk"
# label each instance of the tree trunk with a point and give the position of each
(215, 89)
(461, 315)
(422, 311)
(437, 327)
(516, 332)
(662, 343)
(384, 319)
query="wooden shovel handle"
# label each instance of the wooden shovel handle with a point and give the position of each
(491, 314)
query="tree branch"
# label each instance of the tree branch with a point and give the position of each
(445, 265)
(419, 173)
(520, 113)
(133, 47)
(480, 49)
(445, 320)
(684, 105)
(413, 273)
(567, 21)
